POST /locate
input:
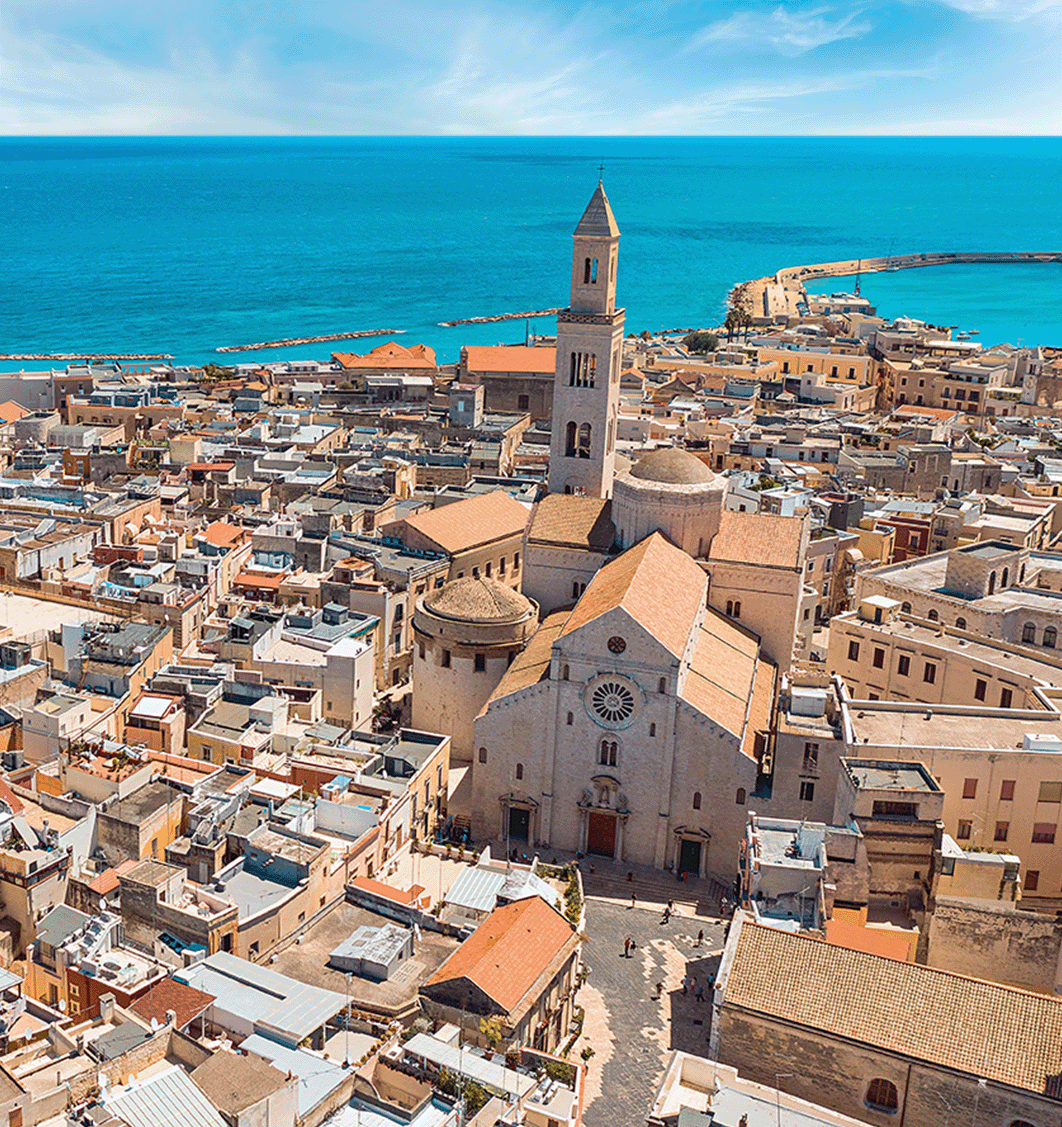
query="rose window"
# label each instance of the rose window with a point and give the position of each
(613, 702)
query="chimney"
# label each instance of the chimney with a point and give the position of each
(106, 1007)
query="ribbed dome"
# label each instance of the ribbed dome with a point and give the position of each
(478, 600)
(672, 467)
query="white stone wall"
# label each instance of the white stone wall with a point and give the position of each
(688, 515)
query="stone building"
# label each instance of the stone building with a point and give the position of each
(882, 1040)
(582, 453)
(466, 634)
(632, 726)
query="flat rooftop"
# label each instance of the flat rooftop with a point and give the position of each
(875, 775)
(924, 727)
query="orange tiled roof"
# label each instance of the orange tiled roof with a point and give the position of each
(464, 524)
(578, 522)
(399, 895)
(389, 355)
(12, 799)
(185, 1001)
(722, 672)
(509, 950)
(658, 585)
(247, 579)
(759, 538)
(107, 881)
(532, 663)
(510, 358)
(10, 411)
(981, 1028)
(869, 940)
(222, 534)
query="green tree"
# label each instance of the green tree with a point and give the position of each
(700, 341)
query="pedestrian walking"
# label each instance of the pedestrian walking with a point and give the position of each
(700, 937)
(627, 947)
(685, 984)
(700, 993)
(659, 989)
(711, 982)
(630, 876)
(670, 905)
(634, 899)
(667, 915)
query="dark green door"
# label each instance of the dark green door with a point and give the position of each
(690, 857)
(519, 822)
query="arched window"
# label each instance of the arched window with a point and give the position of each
(933, 616)
(570, 719)
(569, 441)
(483, 755)
(737, 608)
(519, 770)
(586, 272)
(905, 608)
(960, 624)
(564, 673)
(593, 272)
(584, 441)
(652, 729)
(696, 800)
(661, 685)
(730, 608)
(882, 1095)
(1020, 1123)
(1050, 637)
(1006, 576)
(1028, 632)
(992, 583)
(607, 754)
(740, 799)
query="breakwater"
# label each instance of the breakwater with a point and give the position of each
(499, 317)
(779, 295)
(288, 342)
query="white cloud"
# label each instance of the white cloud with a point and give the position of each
(1004, 9)
(790, 32)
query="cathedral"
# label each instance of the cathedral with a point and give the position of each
(635, 721)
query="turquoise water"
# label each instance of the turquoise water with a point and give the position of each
(183, 244)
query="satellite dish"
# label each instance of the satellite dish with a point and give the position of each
(62, 1006)
(154, 1025)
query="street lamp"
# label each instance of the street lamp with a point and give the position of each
(778, 1095)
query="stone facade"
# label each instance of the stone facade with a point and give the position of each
(589, 360)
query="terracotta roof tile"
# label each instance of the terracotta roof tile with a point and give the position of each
(531, 665)
(12, 799)
(509, 950)
(185, 1001)
(10, 411)
(869, 940)
(760, 538)
(222, 534)
(464, 524)
(657, 584)
(981, 1028)
(419, 357)
(577, 522)
(510, 358)
(722, 672)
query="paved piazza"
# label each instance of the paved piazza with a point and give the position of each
(632, 1031)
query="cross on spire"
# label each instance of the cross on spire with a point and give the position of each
(601, 172)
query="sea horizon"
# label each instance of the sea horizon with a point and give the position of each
(182, 244)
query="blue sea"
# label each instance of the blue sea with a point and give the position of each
(180, 245)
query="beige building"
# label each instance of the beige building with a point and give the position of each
(884, 1041)
(582, 453)
(482, 535)
(466, 635)
(883, 655)
(632, 726)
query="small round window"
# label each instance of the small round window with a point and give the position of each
(613, 702)
(616, 644)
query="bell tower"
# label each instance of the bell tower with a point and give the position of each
(589, 353)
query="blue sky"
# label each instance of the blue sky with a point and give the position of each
(487, 67)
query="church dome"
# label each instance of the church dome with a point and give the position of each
(672, 466)
(475, 599)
